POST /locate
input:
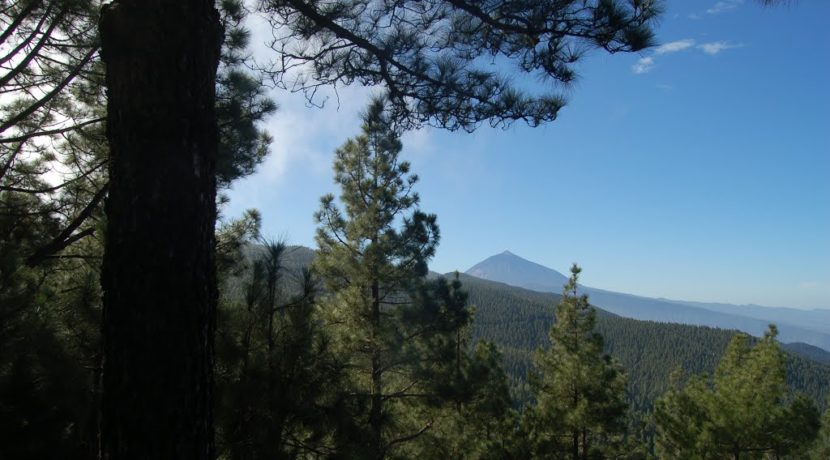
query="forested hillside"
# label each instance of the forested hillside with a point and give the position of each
(518, 320)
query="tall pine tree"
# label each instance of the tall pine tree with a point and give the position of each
(392, 327)
(580, 407)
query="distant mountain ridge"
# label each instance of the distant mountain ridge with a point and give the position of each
(816, 319)
(807, 326)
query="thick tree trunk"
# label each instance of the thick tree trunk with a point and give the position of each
(158, 275)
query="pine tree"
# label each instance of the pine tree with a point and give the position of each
(579, 391)
(478, 420)
(741, 411)
(46, 407)
(275, 371)
(394, 329)
(680, 416)
(472, 409)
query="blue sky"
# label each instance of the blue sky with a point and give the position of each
(697, 170)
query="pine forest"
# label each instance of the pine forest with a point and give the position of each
(143, 317)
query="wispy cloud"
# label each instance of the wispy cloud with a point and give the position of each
(646, 64)
(713, 48)
(643, 65)
(675, 46)
(724, 6)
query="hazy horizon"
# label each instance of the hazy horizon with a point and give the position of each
(564, 271)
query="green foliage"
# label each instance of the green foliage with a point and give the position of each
(414, 387)
(433, 56)
(821, 447)
(47, 394)
(743, 411)
(391, 330)
(275, 371)
(472, 415)
(483, 428)
(241, 102)
(579, 393)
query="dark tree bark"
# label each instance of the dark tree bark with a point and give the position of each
(376, 408)
(158, 275)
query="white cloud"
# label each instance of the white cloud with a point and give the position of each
(675, 46)
(647, 63)
(713, 48)
(644, 65)
(724, 6)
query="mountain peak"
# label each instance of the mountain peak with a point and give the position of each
(506, 267)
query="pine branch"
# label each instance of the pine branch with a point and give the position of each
(408, 437)
(65, 238)
(51, 94)
(50, 132)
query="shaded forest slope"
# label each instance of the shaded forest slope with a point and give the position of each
(518, 321)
